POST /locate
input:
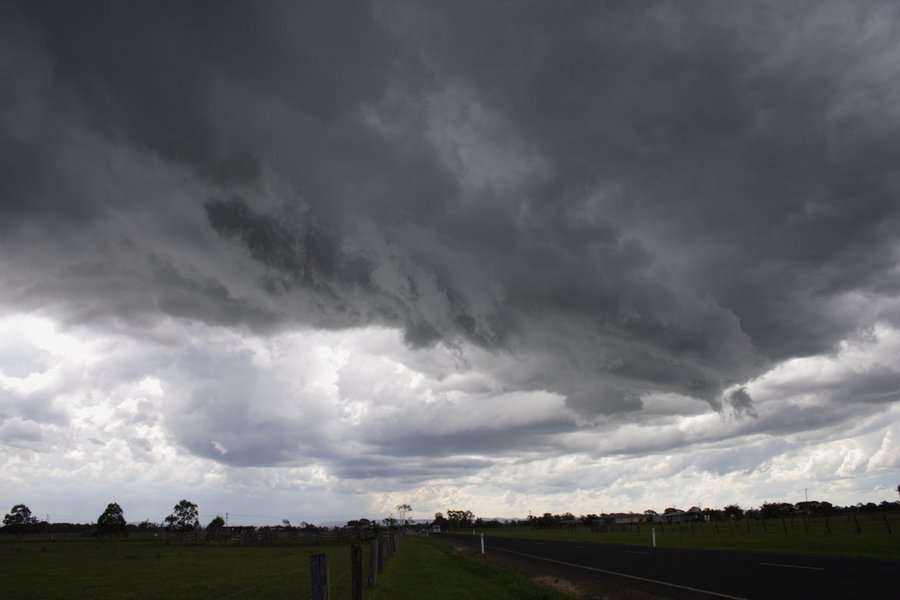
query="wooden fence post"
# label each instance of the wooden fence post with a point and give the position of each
(321, 585)
(887, 524)
(373, 563)
(381, 554)
(356, 572)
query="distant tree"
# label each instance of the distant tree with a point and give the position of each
(774, 510)
(112, 521)
(440, 521)
(389, 521)
(286, 523)
(19, 519)
(216, 523)
(460, 518)
(733, 511)
(184, 518)
(403, 510)
(148, 525)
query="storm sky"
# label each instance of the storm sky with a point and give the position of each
(310, 260)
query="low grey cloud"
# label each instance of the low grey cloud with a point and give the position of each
(581, 217)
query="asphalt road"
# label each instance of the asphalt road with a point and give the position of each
(708, 574)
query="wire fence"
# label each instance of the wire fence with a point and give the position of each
(259, 585)
(347, 584)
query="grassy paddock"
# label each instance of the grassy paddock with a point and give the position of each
(796, 535)
(141, 570)
(426, 568)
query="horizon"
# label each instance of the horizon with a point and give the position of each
(313, 260)
(229, 517)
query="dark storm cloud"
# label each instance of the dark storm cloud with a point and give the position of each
(628, 198)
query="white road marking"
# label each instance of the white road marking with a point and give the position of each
(655, 581)
(793, 566)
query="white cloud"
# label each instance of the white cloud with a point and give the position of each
(346, 414)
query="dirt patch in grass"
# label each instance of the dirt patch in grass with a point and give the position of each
(568, 580)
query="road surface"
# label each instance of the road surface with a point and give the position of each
(702, 574)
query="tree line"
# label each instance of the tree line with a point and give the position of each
(768, 510)
(463, 519)
(184, 517)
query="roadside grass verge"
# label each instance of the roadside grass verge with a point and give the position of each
(426, 568)
(144, 570)
(839, 536)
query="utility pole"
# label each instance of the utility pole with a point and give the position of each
(806, 491)
(226, 519)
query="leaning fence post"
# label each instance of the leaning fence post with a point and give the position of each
(356, 572)
(373, 563)
(321, 586)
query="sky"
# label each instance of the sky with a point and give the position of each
(312, 260)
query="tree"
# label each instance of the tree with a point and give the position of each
(184, 518)
(389, 522)
(460, 518)
(148, 525)
(19, 519)
(440, 521)
(112, 521)
(404, 510)
(733, 511)
(216, 523)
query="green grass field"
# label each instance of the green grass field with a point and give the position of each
(141, 570)
(790, 536)
(429, 568)
(147, 569)
(421, 568)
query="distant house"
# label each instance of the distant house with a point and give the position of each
(807, 508)
(619, 519)
(625, 518)
(675, 517)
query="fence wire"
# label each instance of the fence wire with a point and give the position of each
(334, 584)
(259, 585)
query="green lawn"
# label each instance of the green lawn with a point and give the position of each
(790, 536)
(150, 569)
(142, 570)
(427, 568)
(421, 568)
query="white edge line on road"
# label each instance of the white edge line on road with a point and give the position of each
(656, 581)
(793, 566)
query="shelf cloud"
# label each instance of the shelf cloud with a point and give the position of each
(430, 252)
